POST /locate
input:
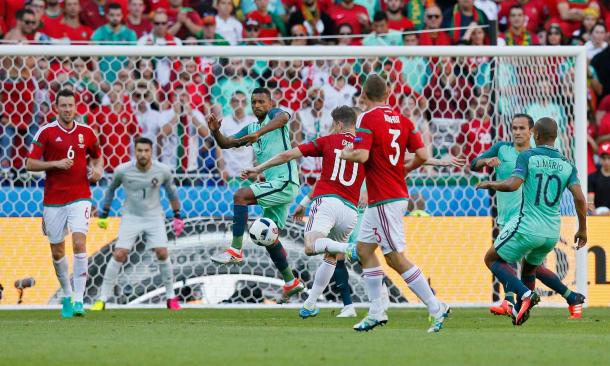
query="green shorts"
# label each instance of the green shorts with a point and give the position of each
(275, 197)
(513, 246)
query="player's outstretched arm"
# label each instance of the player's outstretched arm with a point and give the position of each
(225, 142)
(357, 156)
(454, 161)
(580, 203)
(420, 158)
(279, 159)
(35, 165)
(508, 185)
(279, 120)
(299, 211)
(488, 158)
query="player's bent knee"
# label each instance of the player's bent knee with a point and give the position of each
(162, 253)
(58, 251)
(244, 196)
(120, 255)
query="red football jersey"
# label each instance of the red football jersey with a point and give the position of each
(387, 135)
(53, 142)
(339, 177)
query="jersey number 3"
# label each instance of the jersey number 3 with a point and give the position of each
(394, 144)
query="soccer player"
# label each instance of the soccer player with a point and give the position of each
(269, 136)
(545, 174)
(382, 138)
(61, 150)
(336, 193)
(142, 214)
(503, 157)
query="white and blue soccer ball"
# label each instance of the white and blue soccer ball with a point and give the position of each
(264, 232)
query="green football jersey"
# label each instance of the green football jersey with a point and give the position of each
(508, 202)
(271, 144)
(546, 174)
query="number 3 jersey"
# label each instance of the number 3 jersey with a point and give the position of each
(340, 178)
(53, 142)
(387, 135)
(546, 175)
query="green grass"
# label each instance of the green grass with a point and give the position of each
(278, 337)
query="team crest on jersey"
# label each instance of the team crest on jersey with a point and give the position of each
(154, 182)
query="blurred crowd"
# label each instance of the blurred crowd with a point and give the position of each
(165, 99)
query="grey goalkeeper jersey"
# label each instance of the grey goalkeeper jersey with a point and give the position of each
(142, 189)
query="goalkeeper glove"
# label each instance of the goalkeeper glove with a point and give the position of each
(178, 224)
(102, 223)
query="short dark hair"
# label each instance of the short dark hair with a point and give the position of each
(344, 114)
(515, 7)
(599, 24)
(261, 90)
(64, 93)
(144, 140)
(375, 88)
(114, 6)
(380, 16)
(530, 120)
(22, 12)
(547, 128)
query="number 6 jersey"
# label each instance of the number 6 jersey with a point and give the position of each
(387, 135)
(53, 142)
(340, 178)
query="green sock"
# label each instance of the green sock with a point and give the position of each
(287, 274)
(279, 258)
(237, 242)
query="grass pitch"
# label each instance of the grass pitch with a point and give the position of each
(280, 337)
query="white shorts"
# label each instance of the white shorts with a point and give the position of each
(57, 220)
(383, 225)
(332, 217)
(153, 229)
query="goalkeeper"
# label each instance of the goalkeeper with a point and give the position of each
(142, 214)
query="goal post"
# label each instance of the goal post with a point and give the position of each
(460, 97)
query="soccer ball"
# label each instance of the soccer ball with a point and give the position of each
(264, 232)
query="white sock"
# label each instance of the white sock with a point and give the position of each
(63, 275)
(373, 278)
(420, 287)
(112, 272)
(167, 276)
(80, 276)
(323, 245)
(320, 280)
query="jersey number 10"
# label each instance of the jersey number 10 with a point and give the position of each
(339, 170)
(540, 177)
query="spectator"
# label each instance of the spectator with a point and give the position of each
(183, 22)
(236, 160)
(475, 135)
(117, 128)
(17, 107)
(349, 12)
(113, 33)
(94, 12)
(235, 78)
(599, 184)
(346, 36)
(183, 126)
(547, 105)
(489, 7)
(25, 30)
(396, 17)
(50, 17)
(275, 7)
(570, 13)
(272, 25)
(253, 33)
(590, 19)
(298, 34)
(136, 20)
(555, 36)
(433, 20)
(382, 35)
(474, 36)
(533, 9)
(603, 131)
(462, 15)
(10, 13)
(53, 10)
(315, 74)
(161, 37)
(337, 90)
(597, 43)
(70, 25)
(413, 108)
(208, 35)
(227, 25)
(415, 70)
(149, 120)
(38, 7)
(600, 64)
(309, 124)
(517, 34)
(315, 21)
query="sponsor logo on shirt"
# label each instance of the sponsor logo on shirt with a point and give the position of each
(58, 139)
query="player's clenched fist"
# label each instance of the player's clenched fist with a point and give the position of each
(214, 123)
(64, 164)
(250, 173)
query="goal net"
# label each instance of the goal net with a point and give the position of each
(461, 99)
